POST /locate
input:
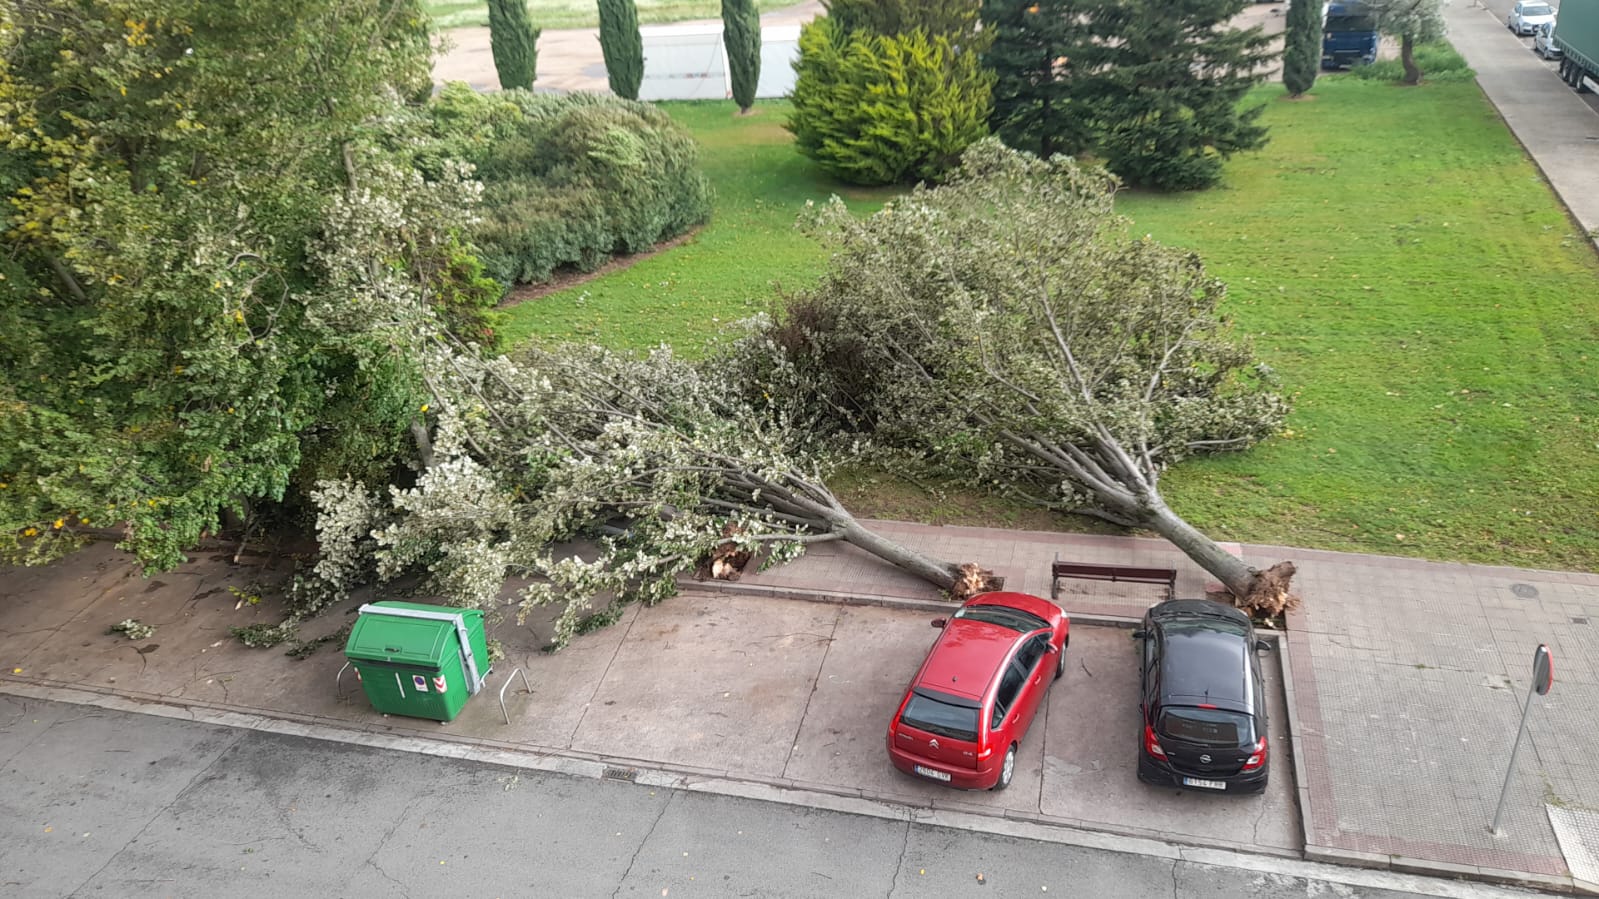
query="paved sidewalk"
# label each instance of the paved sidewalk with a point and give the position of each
(1558, 129)
(1403, 686)
(1408, 677)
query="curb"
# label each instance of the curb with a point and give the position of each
(948, 814)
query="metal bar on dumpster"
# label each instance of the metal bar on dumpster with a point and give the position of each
(474, 682)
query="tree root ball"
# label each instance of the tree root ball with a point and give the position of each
(1269, 597)
(972, 579)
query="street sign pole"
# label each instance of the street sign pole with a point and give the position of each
(1543, 677)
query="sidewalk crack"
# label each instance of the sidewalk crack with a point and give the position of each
(628, 872)
(1175, 892)
(816, 683)
(600, 681)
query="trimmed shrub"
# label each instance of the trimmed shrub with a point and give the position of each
(878, 109)
(571, 180)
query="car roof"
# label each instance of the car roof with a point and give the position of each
(1205, 656)
(966, 657)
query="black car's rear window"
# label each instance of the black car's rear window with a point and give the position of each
(946, 716)
(1207, 727)
(1004, 616)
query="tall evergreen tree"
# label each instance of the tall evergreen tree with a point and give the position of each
(622, 46)
(514, 41)
(1302, 46)
(741, 35)
(894, 17)
(1168, 101)
(1039, 45)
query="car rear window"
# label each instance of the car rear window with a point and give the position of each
(1207, 727)
(1004, 616)
(946, 716)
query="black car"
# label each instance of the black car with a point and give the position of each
(1203, 698)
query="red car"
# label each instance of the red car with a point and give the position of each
(971, 702)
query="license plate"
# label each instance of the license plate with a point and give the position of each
(929, 772)
(1207, 784)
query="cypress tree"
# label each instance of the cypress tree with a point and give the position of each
(514, 42)
(741, 34)
(622, 47)
(1302, 46)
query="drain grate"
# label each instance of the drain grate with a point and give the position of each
(1579, 620)
(1525, 591)
(627, 775)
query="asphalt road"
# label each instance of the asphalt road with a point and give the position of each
(103, 803)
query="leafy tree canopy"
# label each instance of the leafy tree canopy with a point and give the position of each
(1006, 326)
(203, 197)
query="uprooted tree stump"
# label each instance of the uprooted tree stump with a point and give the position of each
(1268, 595)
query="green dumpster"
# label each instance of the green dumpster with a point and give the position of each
(418, 660)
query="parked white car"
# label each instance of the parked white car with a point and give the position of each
(1543, 41)
(1528, 15)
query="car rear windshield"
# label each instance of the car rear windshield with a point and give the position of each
(1004, 616)
(942, 715)
(1206, 727)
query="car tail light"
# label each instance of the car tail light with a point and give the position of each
(1152, 745)
(1258, 757)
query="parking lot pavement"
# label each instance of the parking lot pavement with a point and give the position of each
(1406, 679)
(791, 693)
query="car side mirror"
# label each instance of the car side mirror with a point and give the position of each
(1140, 634)
(1262, 646)
(939, 622)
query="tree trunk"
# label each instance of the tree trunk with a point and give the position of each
(1238, 578)
(1257, 592)
(939, 574)
(1407, 58)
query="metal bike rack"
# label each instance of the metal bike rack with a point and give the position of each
(338, 683)
(525, 688)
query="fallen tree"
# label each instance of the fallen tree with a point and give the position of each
(1006, 327)
(645, 462)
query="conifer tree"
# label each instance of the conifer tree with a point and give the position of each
(1168, 99)
(1302, 46)
(741, 35)
(514, 42)
(1038, 46)
(622, 47)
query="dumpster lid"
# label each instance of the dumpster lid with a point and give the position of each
(391, 638)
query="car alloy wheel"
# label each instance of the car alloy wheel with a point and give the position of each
(1007, 768)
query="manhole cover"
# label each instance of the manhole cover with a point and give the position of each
(1525, 591)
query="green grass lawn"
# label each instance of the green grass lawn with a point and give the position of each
(729, 270)
(1393, 254)
(579, 13)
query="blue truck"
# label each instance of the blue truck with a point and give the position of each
(1348, 35)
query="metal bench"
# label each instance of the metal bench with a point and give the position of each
(1090, 572)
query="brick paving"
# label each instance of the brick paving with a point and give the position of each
(1408, 677)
